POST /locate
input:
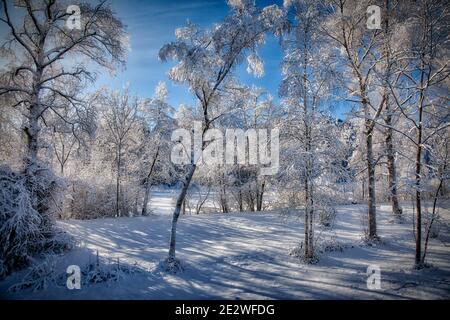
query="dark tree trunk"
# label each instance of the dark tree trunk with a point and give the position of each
(369, 126)
(418, 186)
(148, 185)
(260, 196)
(118, 183)
(371, 187)
(418, 172)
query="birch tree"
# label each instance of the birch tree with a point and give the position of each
(206, 62)
(305, 87)
(157, 122)
(119, 117)
(420, 91)
(44, 55)
(346, 27)
(388, 55)
(254, 108)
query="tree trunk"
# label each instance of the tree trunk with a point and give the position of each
(32, 134)
(433, 217)
(418, 184)
(32, 131)
(418, 203)
(176, 213)
(223, 194)
(309, 209)
(148, 185)
(371, 186)
(146, 197)
(392, 174)
(418, 172)
(259, 197)
(118, 182)
(240, 201)
(363, 189)
(240, 196)
(392, 171)
(307, 236)
(372, 222)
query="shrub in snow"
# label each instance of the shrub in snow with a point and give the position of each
(171, 266)
(91, 200)
(434, 231)
(39, 276)
(330, 245)
(327, 214)
(299, 252)
(321, 246)
(106, 271)
(27, 209)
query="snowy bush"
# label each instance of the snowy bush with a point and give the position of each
(321, 246)
(171, 266)
(299, 252)
(27, 209)
(434, 231)
(44, 274)
(39, 276)
(98, 272)
(89, 200)
(327, 214)
(330, 245)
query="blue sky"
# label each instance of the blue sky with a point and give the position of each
(152, 23)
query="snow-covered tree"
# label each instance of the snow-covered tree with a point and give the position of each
(421, 90)
(391, 23)
(119, 119)
(305, 88)
(38, 48)
(207, 59)
(157, 124)
(346, 28)
(45, 64)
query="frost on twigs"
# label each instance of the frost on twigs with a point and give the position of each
(255, 65)
(28, 203)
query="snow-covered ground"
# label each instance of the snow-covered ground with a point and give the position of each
(246, 256)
